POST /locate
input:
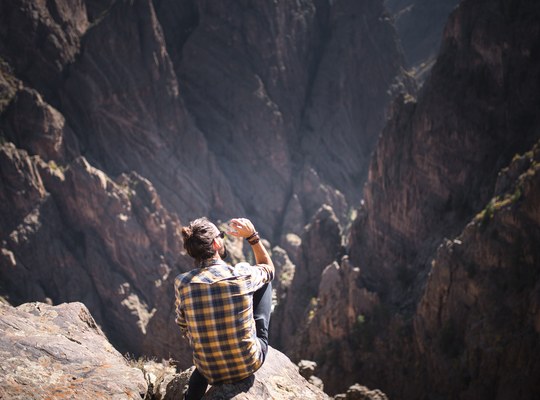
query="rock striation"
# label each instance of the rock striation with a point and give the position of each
(60, 352)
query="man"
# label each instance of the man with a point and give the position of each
(223, 311)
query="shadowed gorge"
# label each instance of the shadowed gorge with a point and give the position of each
(387, 152)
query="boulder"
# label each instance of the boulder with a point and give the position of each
(59, 352)
(277, 379)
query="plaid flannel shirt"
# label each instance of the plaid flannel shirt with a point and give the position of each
(214, 309)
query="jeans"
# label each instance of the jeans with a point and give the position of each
(262, 306)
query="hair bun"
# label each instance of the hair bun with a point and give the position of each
(186, 232)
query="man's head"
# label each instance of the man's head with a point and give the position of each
(202, 239)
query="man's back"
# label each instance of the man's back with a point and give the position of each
(216, 303)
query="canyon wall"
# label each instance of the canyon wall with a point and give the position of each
(120, 120)
(431, 316)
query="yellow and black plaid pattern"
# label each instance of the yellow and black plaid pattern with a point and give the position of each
(214, 309)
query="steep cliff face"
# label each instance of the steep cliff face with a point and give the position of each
(124, 75)
(346, 108)
(474, 114)
(270, 76)
(334, 319)
(435, 167)
(124, 103)
(245, 83)
(39, 39)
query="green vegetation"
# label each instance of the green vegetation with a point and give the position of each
(527, 164)
(498, 203)
(313, 303)
(55, 167)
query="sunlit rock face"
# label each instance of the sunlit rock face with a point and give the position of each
(278, 378)
(320, 245)
(59, 351)
(55, 352)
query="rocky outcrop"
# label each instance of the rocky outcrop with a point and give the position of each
(320, 244)
(335, 319)
(359, 392)
(277, 379)
(33, 124)
(112, 245)
(60, 352)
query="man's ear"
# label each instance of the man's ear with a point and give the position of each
(215, 245)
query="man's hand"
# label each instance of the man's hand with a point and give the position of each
(241, 227)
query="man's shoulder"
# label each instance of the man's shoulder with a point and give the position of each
(185, 277)
(245, 268)
(242, 267)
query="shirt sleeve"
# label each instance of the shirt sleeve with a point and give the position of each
(260, 275)
(180, 317)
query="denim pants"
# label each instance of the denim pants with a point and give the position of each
(262, 306)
